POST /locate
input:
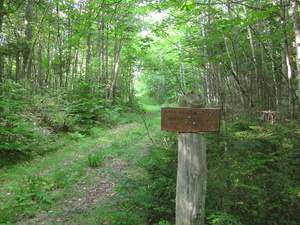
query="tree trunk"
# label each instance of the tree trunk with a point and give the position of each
(191, 173)
(295, 15)
(257, 77)
(88, 60)
(27, 61)
(59, 77)
(117, 58)
(1, 54)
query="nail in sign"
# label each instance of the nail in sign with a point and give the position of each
(190, 120)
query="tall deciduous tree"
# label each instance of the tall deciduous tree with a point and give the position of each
(296, 22)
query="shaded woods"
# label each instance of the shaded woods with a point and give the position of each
(93, 74)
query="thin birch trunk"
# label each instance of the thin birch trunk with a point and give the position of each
(1, 54)
(27, 61)
(254, 62)
(59, 41)
(115, 69)
(295, 16)
(286, 58)
(88, 60)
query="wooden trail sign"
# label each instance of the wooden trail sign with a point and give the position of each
(189, 120)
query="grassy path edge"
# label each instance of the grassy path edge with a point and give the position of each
(64, 187)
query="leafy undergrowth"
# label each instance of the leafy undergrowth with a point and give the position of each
(29, 124)
(254, 174)
(71, 183)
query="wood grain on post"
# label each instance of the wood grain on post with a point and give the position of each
(192, 171)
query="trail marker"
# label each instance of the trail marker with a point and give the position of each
(189, 120)
(192, 122)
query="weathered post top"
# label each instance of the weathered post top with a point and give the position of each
(192, 100)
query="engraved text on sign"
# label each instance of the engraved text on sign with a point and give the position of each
(189, 120)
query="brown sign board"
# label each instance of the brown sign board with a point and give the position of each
(190, 120)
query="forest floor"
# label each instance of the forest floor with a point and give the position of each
(70, 184)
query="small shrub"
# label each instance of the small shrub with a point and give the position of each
(223, 218)
(50, 112)
(25, 199)
(85, 106)
(161, 166)
(95, 159)
(16, 131)
(76, 135)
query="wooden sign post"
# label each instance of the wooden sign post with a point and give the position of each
(191, 123)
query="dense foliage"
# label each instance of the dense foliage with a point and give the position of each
(240, 55)
(27, 124)
(254, 177)
(17, 128)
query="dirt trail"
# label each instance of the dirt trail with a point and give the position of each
(86, 196)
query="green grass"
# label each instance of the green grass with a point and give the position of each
(149, 104)
(71, 163)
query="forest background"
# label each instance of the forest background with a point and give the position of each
(69, 66)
